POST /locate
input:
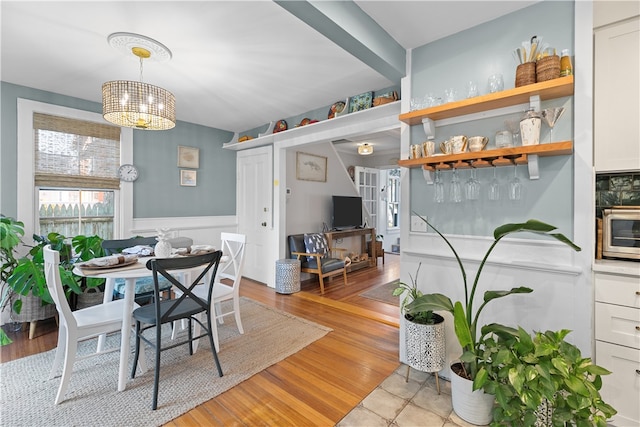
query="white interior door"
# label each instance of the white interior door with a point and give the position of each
(254, 207)
(366, 181)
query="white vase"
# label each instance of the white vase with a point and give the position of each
(162, 249)
(475, 407)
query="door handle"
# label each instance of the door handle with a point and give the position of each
(264, 224)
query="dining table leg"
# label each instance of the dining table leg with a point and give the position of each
(125, 344)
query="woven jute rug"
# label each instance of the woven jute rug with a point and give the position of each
(186, 381)
(383, 293)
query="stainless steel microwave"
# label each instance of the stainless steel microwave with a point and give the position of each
(621, 233)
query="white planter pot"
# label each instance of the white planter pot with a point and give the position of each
(475, 407)
(425, 345)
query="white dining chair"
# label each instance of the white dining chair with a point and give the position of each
(233, 248)
(79, 325)
(233, 245)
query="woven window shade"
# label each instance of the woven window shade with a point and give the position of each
(75, 154)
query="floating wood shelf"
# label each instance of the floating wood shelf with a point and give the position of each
(488, 158)
(550, 89)
(525, 155)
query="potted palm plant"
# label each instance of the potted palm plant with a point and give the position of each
(424, 332)
(541, 380)
(465, 318)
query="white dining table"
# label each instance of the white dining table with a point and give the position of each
(129, 273)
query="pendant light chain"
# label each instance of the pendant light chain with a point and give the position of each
(141, 70)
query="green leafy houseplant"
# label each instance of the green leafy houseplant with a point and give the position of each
(28, 274)
(412, 292)
(524, 372)
(11, 232)
(424, 332)
(25, 275)
(465, 317)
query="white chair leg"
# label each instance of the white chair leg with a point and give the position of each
(219, 316)
(142, 359)
(236, 309)
(183, 326)
(69, 358)
(62, 338)
(196, 332)
(214, 332)
(174, 330)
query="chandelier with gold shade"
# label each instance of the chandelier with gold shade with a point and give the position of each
(136, 104)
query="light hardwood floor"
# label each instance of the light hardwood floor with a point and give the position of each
(318, 385)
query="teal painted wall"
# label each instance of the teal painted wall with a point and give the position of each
(475, 54)
(157, 193)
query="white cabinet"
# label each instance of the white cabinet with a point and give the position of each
(621, 389)
(617, 323)
(616, 95)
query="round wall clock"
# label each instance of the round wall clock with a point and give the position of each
(128, 173)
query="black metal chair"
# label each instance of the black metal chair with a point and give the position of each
(144, 285)
(187, 306)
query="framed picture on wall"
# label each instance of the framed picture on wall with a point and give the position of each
(188, 178)
(310, 167)
(188, 157)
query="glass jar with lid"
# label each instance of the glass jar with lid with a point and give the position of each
(504, 139)
(530, 127)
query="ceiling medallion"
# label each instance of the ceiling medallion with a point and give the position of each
(126, 42)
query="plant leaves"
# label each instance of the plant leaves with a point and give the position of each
(491, 295)
(597, 370)
(433, 302)
(480, 379)
(533, 226)
(461, 327)
(4, 339)
(576, 386)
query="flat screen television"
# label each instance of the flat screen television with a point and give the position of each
(347, 212)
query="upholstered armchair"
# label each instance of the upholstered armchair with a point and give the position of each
(313, 252)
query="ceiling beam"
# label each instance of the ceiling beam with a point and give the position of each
(344, 23)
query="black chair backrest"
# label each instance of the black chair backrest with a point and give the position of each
(169, 268)
(116, 246)
(296, 244)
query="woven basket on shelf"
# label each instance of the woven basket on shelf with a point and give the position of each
(526, 74)
(548, 68)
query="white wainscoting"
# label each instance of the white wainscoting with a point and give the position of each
(203, 230)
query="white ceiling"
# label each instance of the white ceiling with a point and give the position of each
(236, 65)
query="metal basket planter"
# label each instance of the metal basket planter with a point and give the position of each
(425, 345)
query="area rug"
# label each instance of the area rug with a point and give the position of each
(186, 381)
(383, 293)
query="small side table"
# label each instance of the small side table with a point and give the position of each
(287, 276)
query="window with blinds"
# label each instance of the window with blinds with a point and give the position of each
(75, 153)
(76, 165)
